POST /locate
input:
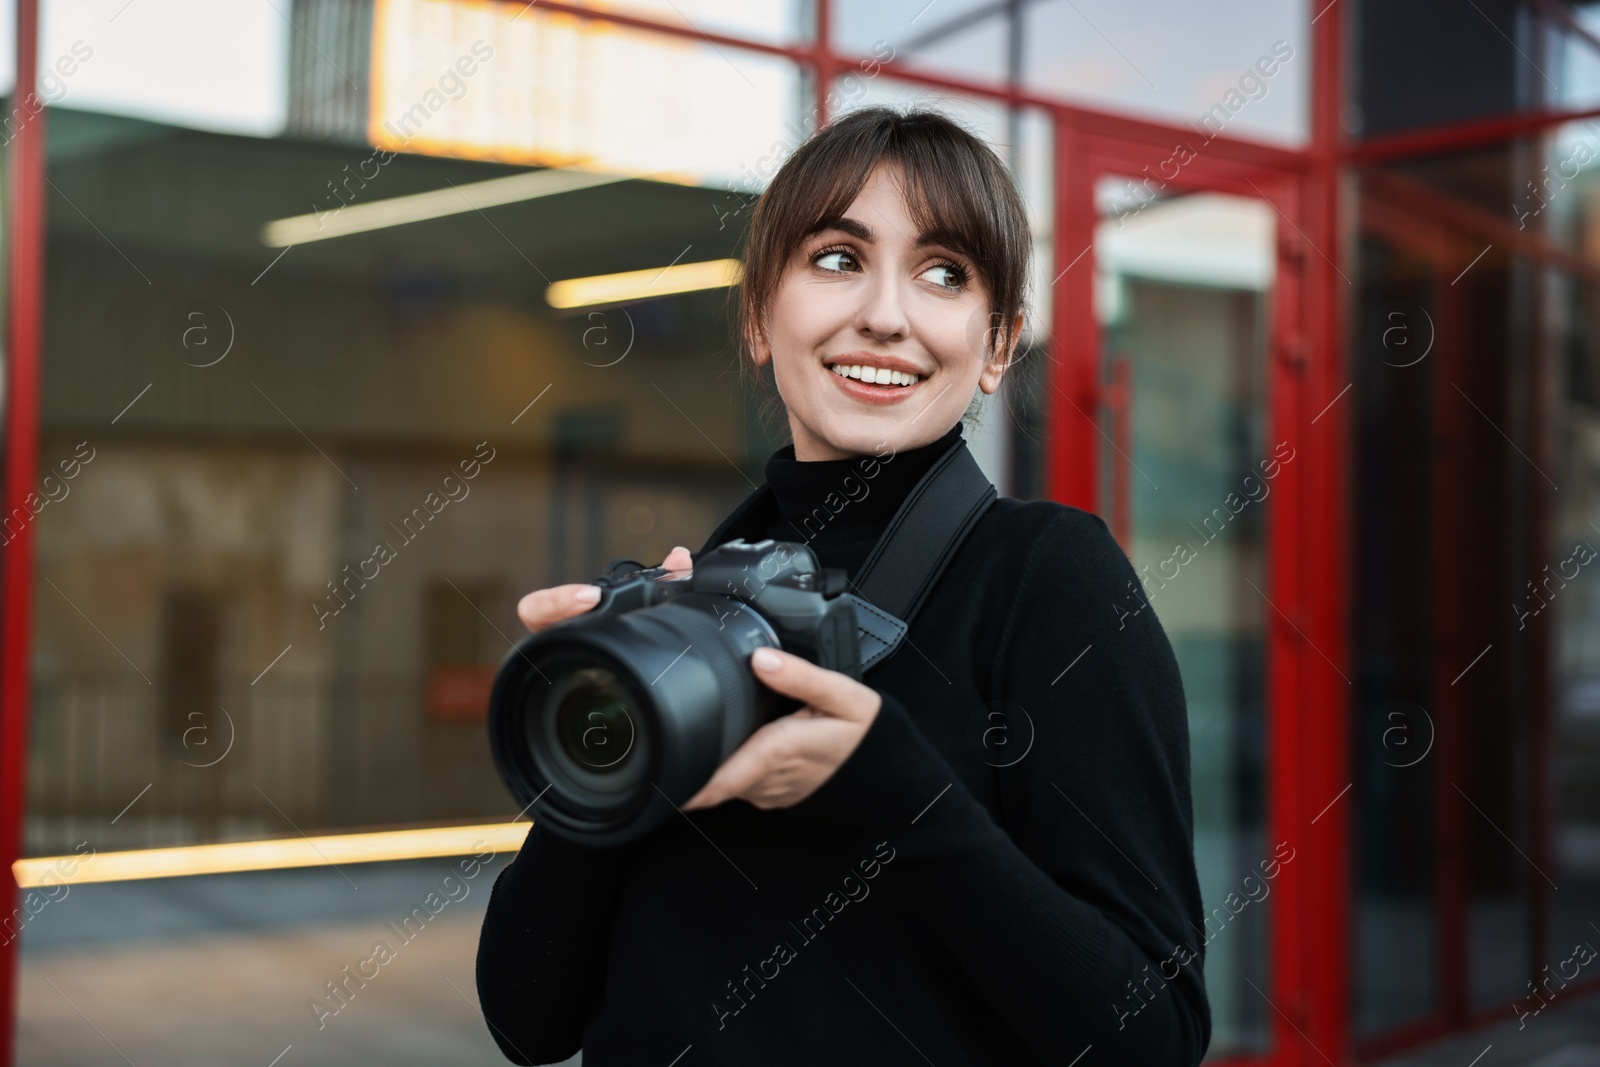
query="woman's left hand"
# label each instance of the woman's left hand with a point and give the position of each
(790, 757)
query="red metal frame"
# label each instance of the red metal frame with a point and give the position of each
(1323, 498)
(26, 298)
(1307, 699)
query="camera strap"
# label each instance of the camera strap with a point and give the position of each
(910, 555)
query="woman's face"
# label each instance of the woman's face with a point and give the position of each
(869, 290)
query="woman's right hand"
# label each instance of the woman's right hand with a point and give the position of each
(546, 607)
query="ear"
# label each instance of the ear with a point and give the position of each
(760, 350)
(995, 370)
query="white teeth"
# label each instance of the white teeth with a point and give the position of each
(875, 375)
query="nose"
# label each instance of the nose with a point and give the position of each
(882, 315)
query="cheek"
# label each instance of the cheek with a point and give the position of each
(801, 317)
(967, 334)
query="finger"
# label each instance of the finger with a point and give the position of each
(546, 607)
(678, 560)
(827, 692)
(748, 764)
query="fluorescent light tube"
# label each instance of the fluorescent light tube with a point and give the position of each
(235, 856)
(346, 219)
(643, 284)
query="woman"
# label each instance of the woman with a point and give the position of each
(983, 853)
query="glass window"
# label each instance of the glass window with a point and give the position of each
(969, 39)
(498, 82)
(209, 66)
(1396, 951)
(1239, 68)
(1448, 449)
(1183, 298)
(770, 21)
(1572, 594)
(316, 467)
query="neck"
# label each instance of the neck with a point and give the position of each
(809, 448)
(850, 499)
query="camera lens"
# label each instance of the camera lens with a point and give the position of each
(593, 721)
(601, 726)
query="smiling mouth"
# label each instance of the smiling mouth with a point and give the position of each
(875, 375)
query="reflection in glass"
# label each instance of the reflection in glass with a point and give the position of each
(1575, 656)
(1395, 954)
(312, 482)
(1183, 295)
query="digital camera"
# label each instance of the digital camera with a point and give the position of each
(603, 724)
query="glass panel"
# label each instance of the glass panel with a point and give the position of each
(1396, 948)
(1574, 597)
(1183, 298)
(1008, 439)
(1240, 68)
(1449, 280)
(1577, 62)
(1496, 318)
(544, 89)
(315, 477)
(769, 21)
(1558, 196)
(1413, 67)
(959, 38)
(221, 67)
(1245, 66)
(313, 420)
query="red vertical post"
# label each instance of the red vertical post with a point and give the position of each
(822, 68)
(26, 276)
(1072, 388)
(1325, 414)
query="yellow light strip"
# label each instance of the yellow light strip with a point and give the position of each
(644, 284)
(233, 857)
(341, 220)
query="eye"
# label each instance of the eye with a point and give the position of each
(946, 275)
(836, 260)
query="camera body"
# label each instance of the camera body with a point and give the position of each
(781, 580)
(602, 724)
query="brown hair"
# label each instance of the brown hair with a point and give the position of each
(954, 184)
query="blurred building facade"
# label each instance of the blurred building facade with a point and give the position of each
(1312, 325)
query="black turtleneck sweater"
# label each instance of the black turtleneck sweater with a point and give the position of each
(1002, 872)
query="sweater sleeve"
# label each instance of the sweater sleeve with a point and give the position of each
(1089, 891)
(542, 952)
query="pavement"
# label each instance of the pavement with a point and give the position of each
(1564, 1034)
(223, 970)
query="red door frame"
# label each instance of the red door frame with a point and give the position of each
(1307, 575)
(1307, 695)
(25, 252)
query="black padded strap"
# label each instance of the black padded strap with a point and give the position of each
(910, 555)
(922, 538)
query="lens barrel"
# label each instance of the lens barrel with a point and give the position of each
(602, 726)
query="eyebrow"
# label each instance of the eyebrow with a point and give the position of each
(861, 231)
